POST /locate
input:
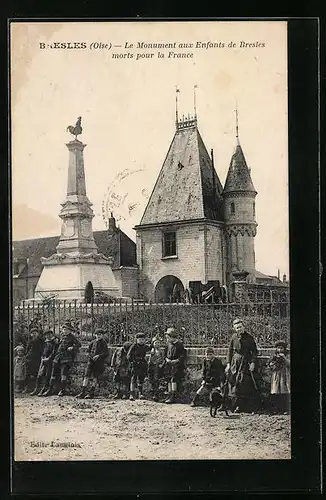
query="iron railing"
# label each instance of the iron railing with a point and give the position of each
(198, 324)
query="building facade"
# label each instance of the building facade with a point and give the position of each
(194, 232)
(113, 243)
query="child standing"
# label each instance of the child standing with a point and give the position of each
(121, 369)
(155, 366)
(137, 359)
(175, 358)
(34, 351)
(97, 354)
(213, 374)
(45, 368)
(63, 359)
(280, 382)
(19, 368)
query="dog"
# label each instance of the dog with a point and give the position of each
(217, 401)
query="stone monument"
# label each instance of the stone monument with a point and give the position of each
(76, 261)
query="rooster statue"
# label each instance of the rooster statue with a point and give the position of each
(77, 129)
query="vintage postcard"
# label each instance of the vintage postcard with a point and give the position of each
(150, 259)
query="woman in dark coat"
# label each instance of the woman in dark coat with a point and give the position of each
(241, 364)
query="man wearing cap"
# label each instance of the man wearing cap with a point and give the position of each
(63, 359)
(175, 358)
(241, 365)
(97, 354)
(138, 366)
(213, 374)
(33, 356)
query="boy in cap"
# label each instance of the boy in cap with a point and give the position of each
(138, 365)
(97, 354)
(175, 357)
(279, 363)
(63, 359)
(156, 363)
(33, 356)
(213, 374)
(45, 368)
(121, 369)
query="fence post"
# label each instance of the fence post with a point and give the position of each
(132, 317)
(127, 326)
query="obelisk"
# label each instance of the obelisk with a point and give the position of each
(76, 261)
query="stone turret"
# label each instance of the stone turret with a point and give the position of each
(239, 214)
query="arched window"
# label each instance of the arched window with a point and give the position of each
(232, 206)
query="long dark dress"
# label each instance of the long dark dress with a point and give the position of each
(242, 351)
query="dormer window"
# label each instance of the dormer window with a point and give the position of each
(232, 208)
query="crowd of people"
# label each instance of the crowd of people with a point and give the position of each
(43, 366)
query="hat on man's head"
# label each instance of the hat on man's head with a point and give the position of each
(281, 343)
(48, 332)
(209, 350)
(171, 332)
(140, 335)
(68, 326)
(19, 348)
(34, 330)
(99, 331)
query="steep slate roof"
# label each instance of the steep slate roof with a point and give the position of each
(238, 178)
(185, 188)
(116, 244)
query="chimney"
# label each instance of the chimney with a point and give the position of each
(112, 226)
(284, 278)
(278, 274)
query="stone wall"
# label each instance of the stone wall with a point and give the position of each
(127, 281)
(192, 378)
(189, 265)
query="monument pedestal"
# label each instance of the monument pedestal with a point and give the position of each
(65, 276)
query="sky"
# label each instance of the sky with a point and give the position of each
(128, 116)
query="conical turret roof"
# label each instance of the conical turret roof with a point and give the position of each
(238, 177)
(187, 187)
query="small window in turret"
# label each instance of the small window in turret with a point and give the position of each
(254, 209)
(232, 208)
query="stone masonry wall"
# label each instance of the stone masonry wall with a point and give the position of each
(192, 378)
(189, 265)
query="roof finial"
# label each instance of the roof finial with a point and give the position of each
(195, 110)
(176, 105)
(236, 122)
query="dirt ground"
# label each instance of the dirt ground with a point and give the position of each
(66, 428)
